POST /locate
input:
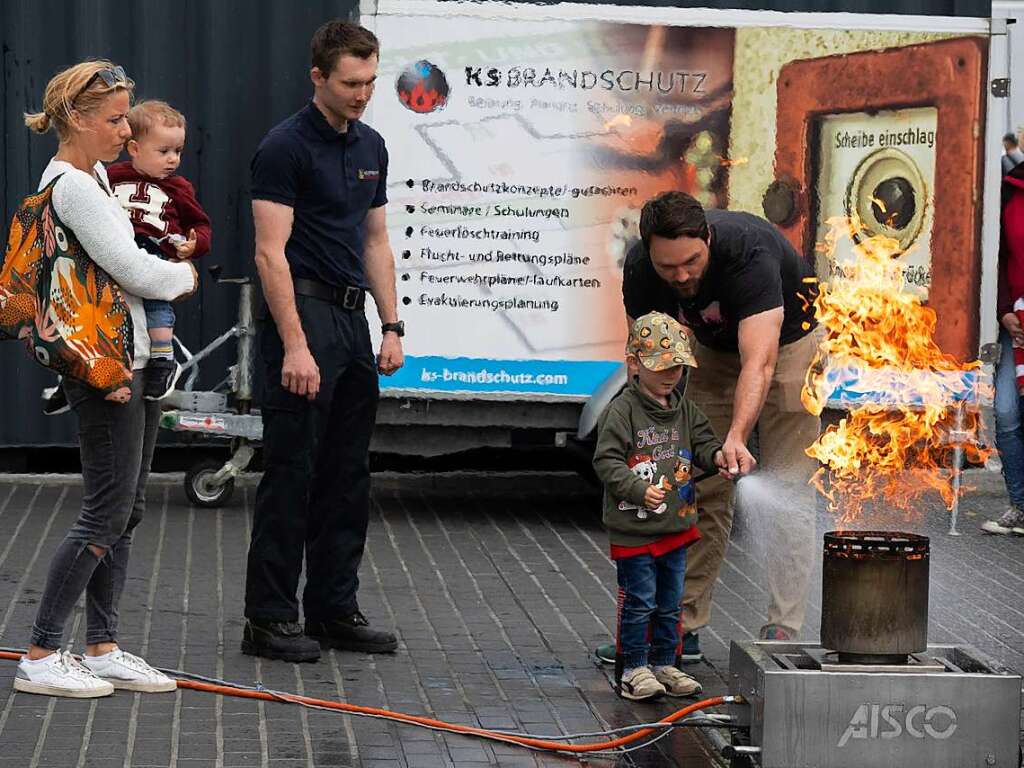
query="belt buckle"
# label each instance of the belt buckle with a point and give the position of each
(350, 300)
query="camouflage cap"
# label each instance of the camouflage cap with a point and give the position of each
(659, 342)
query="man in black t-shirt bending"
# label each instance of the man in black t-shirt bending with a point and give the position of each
(745, 293)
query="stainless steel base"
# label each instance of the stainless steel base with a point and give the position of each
(946, 708)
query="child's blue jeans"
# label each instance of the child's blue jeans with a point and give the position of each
(159, 314)
(650, 612)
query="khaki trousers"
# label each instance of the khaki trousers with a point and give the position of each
(784, 430)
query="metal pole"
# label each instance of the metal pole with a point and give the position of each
(958, 437)
(243, 373)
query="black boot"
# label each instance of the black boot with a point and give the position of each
(160, 377)
(278, 640)
(351, 633)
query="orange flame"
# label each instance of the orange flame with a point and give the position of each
(896, 445)
(890, 218)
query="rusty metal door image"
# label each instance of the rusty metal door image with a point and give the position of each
(890, 139)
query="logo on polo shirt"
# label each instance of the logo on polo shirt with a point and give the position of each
(367, 175)
(422, 87)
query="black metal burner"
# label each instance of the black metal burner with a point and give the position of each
(874, 596)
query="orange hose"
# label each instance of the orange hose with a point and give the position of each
(527, 741)
(465, 729)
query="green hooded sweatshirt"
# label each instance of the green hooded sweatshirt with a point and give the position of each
(641, 442)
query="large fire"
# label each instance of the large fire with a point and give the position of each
(894, 445)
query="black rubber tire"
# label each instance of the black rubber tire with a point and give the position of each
(581, 456)
(199, 495)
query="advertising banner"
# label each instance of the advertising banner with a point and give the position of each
(522, 150)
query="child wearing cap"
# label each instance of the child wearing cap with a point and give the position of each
(648, 438)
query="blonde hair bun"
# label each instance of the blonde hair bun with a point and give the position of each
(74, 88)
(38, 122)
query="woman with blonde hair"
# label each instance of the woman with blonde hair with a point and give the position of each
(86, 105)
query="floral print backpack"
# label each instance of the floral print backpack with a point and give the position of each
(70, 314)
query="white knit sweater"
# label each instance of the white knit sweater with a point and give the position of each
(103, 228)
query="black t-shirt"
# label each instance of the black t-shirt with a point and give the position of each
(752, 268)
(330, 180)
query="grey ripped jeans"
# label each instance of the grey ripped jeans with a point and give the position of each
(116, 442)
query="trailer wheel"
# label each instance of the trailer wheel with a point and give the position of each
(201, 491)
(581, 455)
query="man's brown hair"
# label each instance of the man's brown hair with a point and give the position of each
(671, 215)
(341, 38)
(144, 115)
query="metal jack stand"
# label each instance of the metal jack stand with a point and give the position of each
(958, 437)
(225, 411)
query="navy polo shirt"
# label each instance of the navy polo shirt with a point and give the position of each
(331, 180)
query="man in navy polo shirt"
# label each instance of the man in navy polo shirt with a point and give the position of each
(319, 185)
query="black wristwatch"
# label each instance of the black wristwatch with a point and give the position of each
(398, 327)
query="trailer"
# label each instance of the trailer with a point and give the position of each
(526, 137)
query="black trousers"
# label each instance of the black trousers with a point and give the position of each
(314, 498)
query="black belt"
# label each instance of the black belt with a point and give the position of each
(348, 297)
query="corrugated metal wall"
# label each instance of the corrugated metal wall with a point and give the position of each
(982, 8)
(235, 69)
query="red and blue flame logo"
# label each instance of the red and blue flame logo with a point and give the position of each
(422, 87)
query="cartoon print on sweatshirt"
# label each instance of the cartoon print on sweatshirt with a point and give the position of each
(683, 476)
(644, 467)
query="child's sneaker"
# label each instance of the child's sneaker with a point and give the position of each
(59, 674)
(1012, 521)
(160, 377)
(605, 653)
(128, 672)
(640, 684)
(691, 649)
(676, 682)
(55, 401)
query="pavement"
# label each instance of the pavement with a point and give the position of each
(499, 588)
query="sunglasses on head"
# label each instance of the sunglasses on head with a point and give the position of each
(110, 76)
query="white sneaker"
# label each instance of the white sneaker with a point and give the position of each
(1012, 521)
(59, 675)
(128, 672)
(639, 684)
(676, 682)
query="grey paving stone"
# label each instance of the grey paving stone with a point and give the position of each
(425, 747)
(424, 761)
(332, 760)
(498, 591)
(468, 754)
(241, 759)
